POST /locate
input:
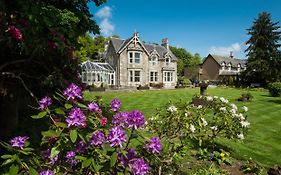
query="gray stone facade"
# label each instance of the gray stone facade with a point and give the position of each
(137, 63)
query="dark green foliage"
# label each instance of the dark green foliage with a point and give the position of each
(275, 89)
(262, 51)
(246, 97)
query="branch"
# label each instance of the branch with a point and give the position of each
(12, 62)
(22, 82)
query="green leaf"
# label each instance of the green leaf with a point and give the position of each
(40, 115)
(7, 161)
(50, 133)
(113, 159)
(59, 111)
(81, 105)
(73, 135)
(14, 169)
(68, 106)
(97, 167)
(32, 172)
(54, 152)
(6, 156)
(86, 163)
(80, 158)
(60, 124)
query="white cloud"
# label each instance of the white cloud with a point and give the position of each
(106, 25)
(236, 47)
(104, 12)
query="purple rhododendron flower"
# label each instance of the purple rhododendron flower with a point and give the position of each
(131, 154)
(116, 136)
(97, 138)
(120, 119)
(45, 102)
(76, 117)
(93, 107)
(70, 158)
(139, 167)
(47, 172)
(15, 33)
(47, 155)
(72, 92)
(153, 145)
(115, 104)
(135, 119)
(18, 142)
(81, 147)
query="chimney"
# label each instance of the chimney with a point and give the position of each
(231, 54)
(136, 34)
(165, 43)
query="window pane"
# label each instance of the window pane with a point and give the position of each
(131, 75)
(137, 55)
(131, 55)
(137, 76)
(156, 76)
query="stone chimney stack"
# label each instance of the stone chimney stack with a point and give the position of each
(231, 54)
(165, 43)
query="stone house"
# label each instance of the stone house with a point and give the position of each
(139, 64)
(217, 67)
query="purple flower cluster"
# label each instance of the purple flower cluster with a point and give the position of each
(97, 138)
(115, 104)
(18, 142)
(47, 156)
(81, 147)
(70, 158)
(47, 172)
(120, 119)
(45, 102)
(153, 145)
(135, 119)
(72, 92)
(139, 167)
(76, 118)
(125, 160)
(93, 107)
(116, 136)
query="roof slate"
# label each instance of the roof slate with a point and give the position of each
(118, 44)
(234, 61)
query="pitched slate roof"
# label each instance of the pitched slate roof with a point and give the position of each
(226, 59)
(118, 44)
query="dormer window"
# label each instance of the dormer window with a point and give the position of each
(229, 66)
(238, 67)
(222, 66)
(167, 61)
(154, 60)
(134, 57)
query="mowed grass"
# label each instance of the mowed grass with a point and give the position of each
(263, 142)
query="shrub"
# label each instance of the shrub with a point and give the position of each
(246, 97)
(186, 82)
(275, 89)
(85, 138)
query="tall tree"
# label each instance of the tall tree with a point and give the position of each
(262, 51)
(36, 42)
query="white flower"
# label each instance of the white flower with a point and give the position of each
(214, 128)
(209, 98)
(192, 128)
(216, 97)
(240, 136)
(172, 109)
(223, 109)
(244, 108)
(199, 106)
(240, 115)
(233, 111)
(205, 123)
(245, 124)
(222, 99)
(233, 106)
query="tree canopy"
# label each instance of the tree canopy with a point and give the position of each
(263, 54)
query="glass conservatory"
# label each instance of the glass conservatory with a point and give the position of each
(97, 73)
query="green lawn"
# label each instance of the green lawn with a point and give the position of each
(263, 142)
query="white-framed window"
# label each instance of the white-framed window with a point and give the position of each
(154, 60)
(167, 61)
(239, 67)
(153, 76)
(222, 66)
(84, 76)
(168, 76)
(134, 75)
(89, 78)
(134, 57)
(229, 66)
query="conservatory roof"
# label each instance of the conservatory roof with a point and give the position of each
(96, 66)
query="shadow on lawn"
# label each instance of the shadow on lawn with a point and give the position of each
(275, 101)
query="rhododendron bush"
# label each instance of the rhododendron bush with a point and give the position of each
(85, 137)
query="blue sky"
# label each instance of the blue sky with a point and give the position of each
(200, 26)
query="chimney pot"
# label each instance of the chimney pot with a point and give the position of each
(165, 43)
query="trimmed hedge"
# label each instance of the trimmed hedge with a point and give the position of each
(275, 89)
